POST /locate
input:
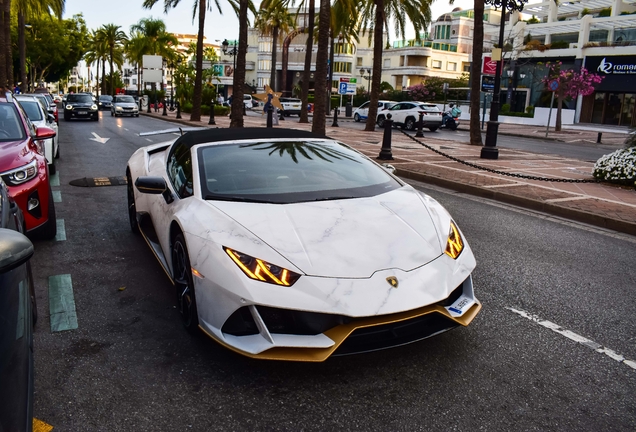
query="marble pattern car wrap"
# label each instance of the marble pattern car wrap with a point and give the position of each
(349, 238)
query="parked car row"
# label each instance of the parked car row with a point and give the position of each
(404, 114)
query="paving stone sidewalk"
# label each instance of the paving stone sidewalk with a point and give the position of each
(600, 204)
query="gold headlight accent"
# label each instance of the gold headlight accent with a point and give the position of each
(260, 270)
(454, 245)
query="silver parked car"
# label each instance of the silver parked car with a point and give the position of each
(124, 105)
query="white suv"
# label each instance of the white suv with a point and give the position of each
(407, 114)
(362, 112)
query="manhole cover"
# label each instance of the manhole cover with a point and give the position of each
(99, 181)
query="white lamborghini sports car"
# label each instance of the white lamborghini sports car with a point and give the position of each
(290, 246)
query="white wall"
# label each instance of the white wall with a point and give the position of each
(540, 117)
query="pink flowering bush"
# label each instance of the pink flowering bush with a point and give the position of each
(419, 92)
(572, 83)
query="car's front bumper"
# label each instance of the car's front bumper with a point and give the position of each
(81, 113)
(35, 189)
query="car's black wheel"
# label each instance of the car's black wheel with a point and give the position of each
(381, 121)
(57, 152)
(453, 126)
(48, 231)
(132, 208)
(409, 124)
(112, 113)
(433, 128)
(356, 117)
(184, 284)
(95, 118)
(136, 115)
(52, 168)
(67, 117)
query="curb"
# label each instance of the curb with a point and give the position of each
(577, 215)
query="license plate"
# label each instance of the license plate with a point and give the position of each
(82, 112)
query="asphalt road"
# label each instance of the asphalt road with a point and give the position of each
(130, 366)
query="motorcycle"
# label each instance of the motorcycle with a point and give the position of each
(450, 122)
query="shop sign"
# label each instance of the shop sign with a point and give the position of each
(619, 72)
(490, 66)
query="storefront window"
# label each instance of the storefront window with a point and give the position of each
(628, 110)
(597, 110)
(613, 108)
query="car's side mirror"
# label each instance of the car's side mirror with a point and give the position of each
(51, 118)
(15, 249)
(154, 186)
(44, 132)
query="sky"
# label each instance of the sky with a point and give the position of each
(179, 20)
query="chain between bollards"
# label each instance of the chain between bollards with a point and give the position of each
(385, 153)
(419, 133)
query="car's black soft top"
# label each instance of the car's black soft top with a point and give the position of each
(237, 134)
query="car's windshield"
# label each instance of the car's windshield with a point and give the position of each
(429, 108)
(288, 172)
(10, 125)
(32, 109)
(83, 98)
(105, 98)
(124, 99)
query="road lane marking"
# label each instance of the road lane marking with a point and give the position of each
(57, 196)
(148, 139)
(98, 139)
(54, 179)
(62, 303)
(575, 337)
(61, 230)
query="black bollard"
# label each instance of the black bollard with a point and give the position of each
(419, 133)
(149, 111)
(165, 108)
(598, 138)
(281, 116)
(212, 122)
(385, 153)
(335, 118)
(270, 113)
(178, 110)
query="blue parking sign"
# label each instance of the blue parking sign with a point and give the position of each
(343, 88)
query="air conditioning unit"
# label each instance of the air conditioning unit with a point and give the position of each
(574, 45)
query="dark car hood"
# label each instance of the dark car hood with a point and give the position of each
(80, 104)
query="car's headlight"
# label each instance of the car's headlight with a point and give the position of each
(93, 107)
(21, 175)
(263, 271)
(69, 107)
(118, 108)
(454, 244)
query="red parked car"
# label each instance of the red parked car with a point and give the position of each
(24, 169)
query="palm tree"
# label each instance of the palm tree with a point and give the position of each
(158, 40)
(475, 76)
(28, 9)
(239, 73)
(135, 48)
(6, 46)
(114, 39)
(3, 54)
(309, 28)
(97, 52)
(272, 20)
(376, 15)
(320, 110)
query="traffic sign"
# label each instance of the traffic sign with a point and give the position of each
(342, 89)
(347, 86)
(553, 85)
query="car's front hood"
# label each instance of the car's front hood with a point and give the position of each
(125, 105)
(80, 105)
(14, 154)
(345, 238)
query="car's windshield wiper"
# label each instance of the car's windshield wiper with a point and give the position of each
(235, 198)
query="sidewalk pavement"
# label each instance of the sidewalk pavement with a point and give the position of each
(600, 204)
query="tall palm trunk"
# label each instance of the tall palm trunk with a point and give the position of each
(22, 48)
(322, 57)
(475, 73)
(198, 80)
(7, 42)
(377, 65)
(104, 76)
(239, 72)
(272, 77)
(97, 72)
(3, 54)
(112, 73)
(310, 44)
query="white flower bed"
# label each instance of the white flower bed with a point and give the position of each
(617, 167)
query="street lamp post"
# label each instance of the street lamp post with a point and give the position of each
(225, 47)
(490, 151)
(368, 78)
